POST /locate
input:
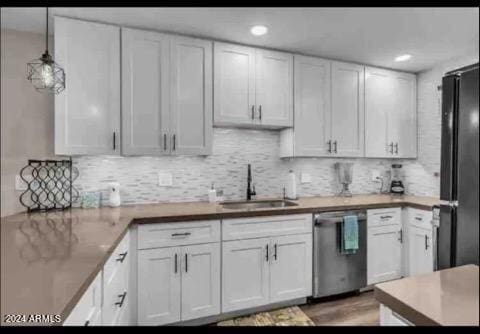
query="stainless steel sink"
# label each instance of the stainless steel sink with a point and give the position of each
(260, 204)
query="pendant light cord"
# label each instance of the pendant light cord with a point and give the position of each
(46, 35)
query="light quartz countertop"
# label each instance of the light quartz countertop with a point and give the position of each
(447, 297)
(48, 260)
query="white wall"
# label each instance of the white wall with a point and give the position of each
(26, 115)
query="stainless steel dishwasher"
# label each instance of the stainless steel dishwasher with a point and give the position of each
(334, 271)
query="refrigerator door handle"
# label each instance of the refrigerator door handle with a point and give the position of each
(452, 204)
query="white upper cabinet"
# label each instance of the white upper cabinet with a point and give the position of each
(404, 117)
(234, 82)
(87, 112)
(311, 133)
(252, 87)
(379, 95)
(274, 88)
(191, 96)
(167, 94)
(390, 114)
(145, 92)
(347, 110)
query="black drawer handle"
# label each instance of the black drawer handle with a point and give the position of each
(253, 112)
(122, 299)
(266, 256)
(386, 217)
(186, 234)
(275, 252)
(329, 146)
(426, 242)
(418, 218)
(186, 262)
(87, 323)
(401, 236)
(122, 257)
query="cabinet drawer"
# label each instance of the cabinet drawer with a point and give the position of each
(115, 300)
(174, 234)
(382, 217)
(87, 312)
(420, 218)
(246, 228)
(118, 262)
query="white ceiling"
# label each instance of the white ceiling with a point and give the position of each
(366, 35)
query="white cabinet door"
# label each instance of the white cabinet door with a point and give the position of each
(379, 104)
(274, 88)
(420, 253)
(234, 84)
(402, 125)
(312, 107)
(145, 92)
(87, 112)
(200, 280)
(384, 253)
(290, 267)
(191, 96)
(347, 109)
(159, 286)
(245, 274)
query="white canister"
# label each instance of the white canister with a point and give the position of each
(114, 194)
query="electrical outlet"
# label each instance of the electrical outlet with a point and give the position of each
(375, 174)
(305, 178)
(165, 179)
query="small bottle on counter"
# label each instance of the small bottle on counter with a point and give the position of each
(291, 186)
(212, 194)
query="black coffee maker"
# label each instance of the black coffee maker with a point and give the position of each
(396, 186)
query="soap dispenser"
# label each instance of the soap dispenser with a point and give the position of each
(212, 194)
(291, 186)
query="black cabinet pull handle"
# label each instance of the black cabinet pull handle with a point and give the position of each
(396, 148)
(114, 140)
(391, 147)
(385, 217)
(181, 234)
(176, 263)
(335, 146)
(87, 323)
(266, 256)
(173, 142)
(260, 112)
(186, 262)
(401, 236)
(426, 242)
(164, 141)
(329, 146)
(253, 112)
(275, 252)
(122, 257)
(418, 218)
(122, 299)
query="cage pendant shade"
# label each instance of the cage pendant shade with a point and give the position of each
(44, 74)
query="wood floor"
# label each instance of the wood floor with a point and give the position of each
(356, 310)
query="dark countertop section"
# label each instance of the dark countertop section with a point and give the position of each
(447, 297)
(48, 260)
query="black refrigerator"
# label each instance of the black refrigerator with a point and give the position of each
(458, 229)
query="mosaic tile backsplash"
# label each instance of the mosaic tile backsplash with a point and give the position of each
(233, 149)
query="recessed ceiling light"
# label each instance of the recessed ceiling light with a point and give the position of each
(258, 30)
(403, 58)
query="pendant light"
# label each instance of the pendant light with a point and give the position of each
(44, 74)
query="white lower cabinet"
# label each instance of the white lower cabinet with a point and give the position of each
(88, 311)
(266, 270)
(291, 267)
(390, 318)
(245, 270)
(384, 245)
(178, 283)
(159, 286)
(419, 250)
